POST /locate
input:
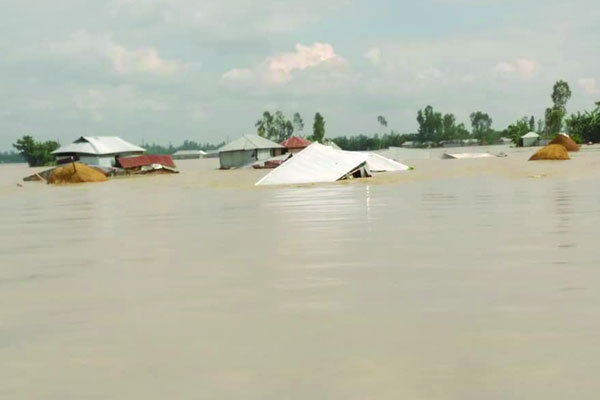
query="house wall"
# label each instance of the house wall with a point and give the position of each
(240, 158)
(235, 159)
(186, 156)
(264, 154)
(101, 161)
(527, 142)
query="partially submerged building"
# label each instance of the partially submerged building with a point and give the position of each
(247, 150)
(97, 150)
(295, 144)
(188, 154)
(319, 163)
(530, 139)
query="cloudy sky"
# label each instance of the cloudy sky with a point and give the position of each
(168, 70)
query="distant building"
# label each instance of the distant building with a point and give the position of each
(98, 150)
(409, 144)
(188, 154)
(295, 144)
(530, 139)
(470, 142)
(247, 150)
(451, 143)
(504, 140)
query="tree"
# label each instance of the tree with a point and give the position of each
(532, 124)
(540, 126)
(298, 122)
(382, 121)
(430, 125)
(561, 93)
(318, 128)
(585, 127)
(36, 153)
(481, 123)
(264, 126)
(517, 130)
(274, 126)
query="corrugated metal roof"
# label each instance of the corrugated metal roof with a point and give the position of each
(250, 142)
(316, 163)
(320, 163)
(295, 142)
(379, 163)
(140, 161)
(99, 145)
(531, 135)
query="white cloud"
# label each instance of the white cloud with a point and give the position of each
(281, 68)
(237, 76)
(374, 56)
(121, 59)
(522, 67)
(589, 86)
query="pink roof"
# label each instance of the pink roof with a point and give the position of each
(295, 142)
(139, 161)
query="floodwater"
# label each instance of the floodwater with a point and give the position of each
(462, 279)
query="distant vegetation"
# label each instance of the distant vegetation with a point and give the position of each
(435, 129)
(11, 157)
(153, 148)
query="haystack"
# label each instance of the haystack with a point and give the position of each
(566, 141)
(551, 152)
(76, 173)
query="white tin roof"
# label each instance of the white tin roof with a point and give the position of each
(320, 163)
(250, 142)
(99, 145)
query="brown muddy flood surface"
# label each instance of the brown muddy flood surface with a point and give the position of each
(462, 279)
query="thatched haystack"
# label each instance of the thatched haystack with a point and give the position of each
(76, 173)
(551, 152)
(566, 141)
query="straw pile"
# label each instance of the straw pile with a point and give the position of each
(566, 141)
(551, 152)
(76, 173)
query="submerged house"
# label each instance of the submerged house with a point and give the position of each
(295, 144)
(319, 163)
(530, 139)
(188, 154)
(98, 150)
(247, 150)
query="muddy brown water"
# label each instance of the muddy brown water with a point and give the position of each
(462, 279)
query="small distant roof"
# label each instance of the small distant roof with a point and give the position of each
(531, 135)
(250, 142)
(189, 152)
(99, 145)
(295, 142)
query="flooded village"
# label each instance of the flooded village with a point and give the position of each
(453, 277)
(268, 200)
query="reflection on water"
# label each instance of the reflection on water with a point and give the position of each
(442, 289)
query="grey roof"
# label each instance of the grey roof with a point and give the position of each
(531, 135)
(250, 142)
(99, 145)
